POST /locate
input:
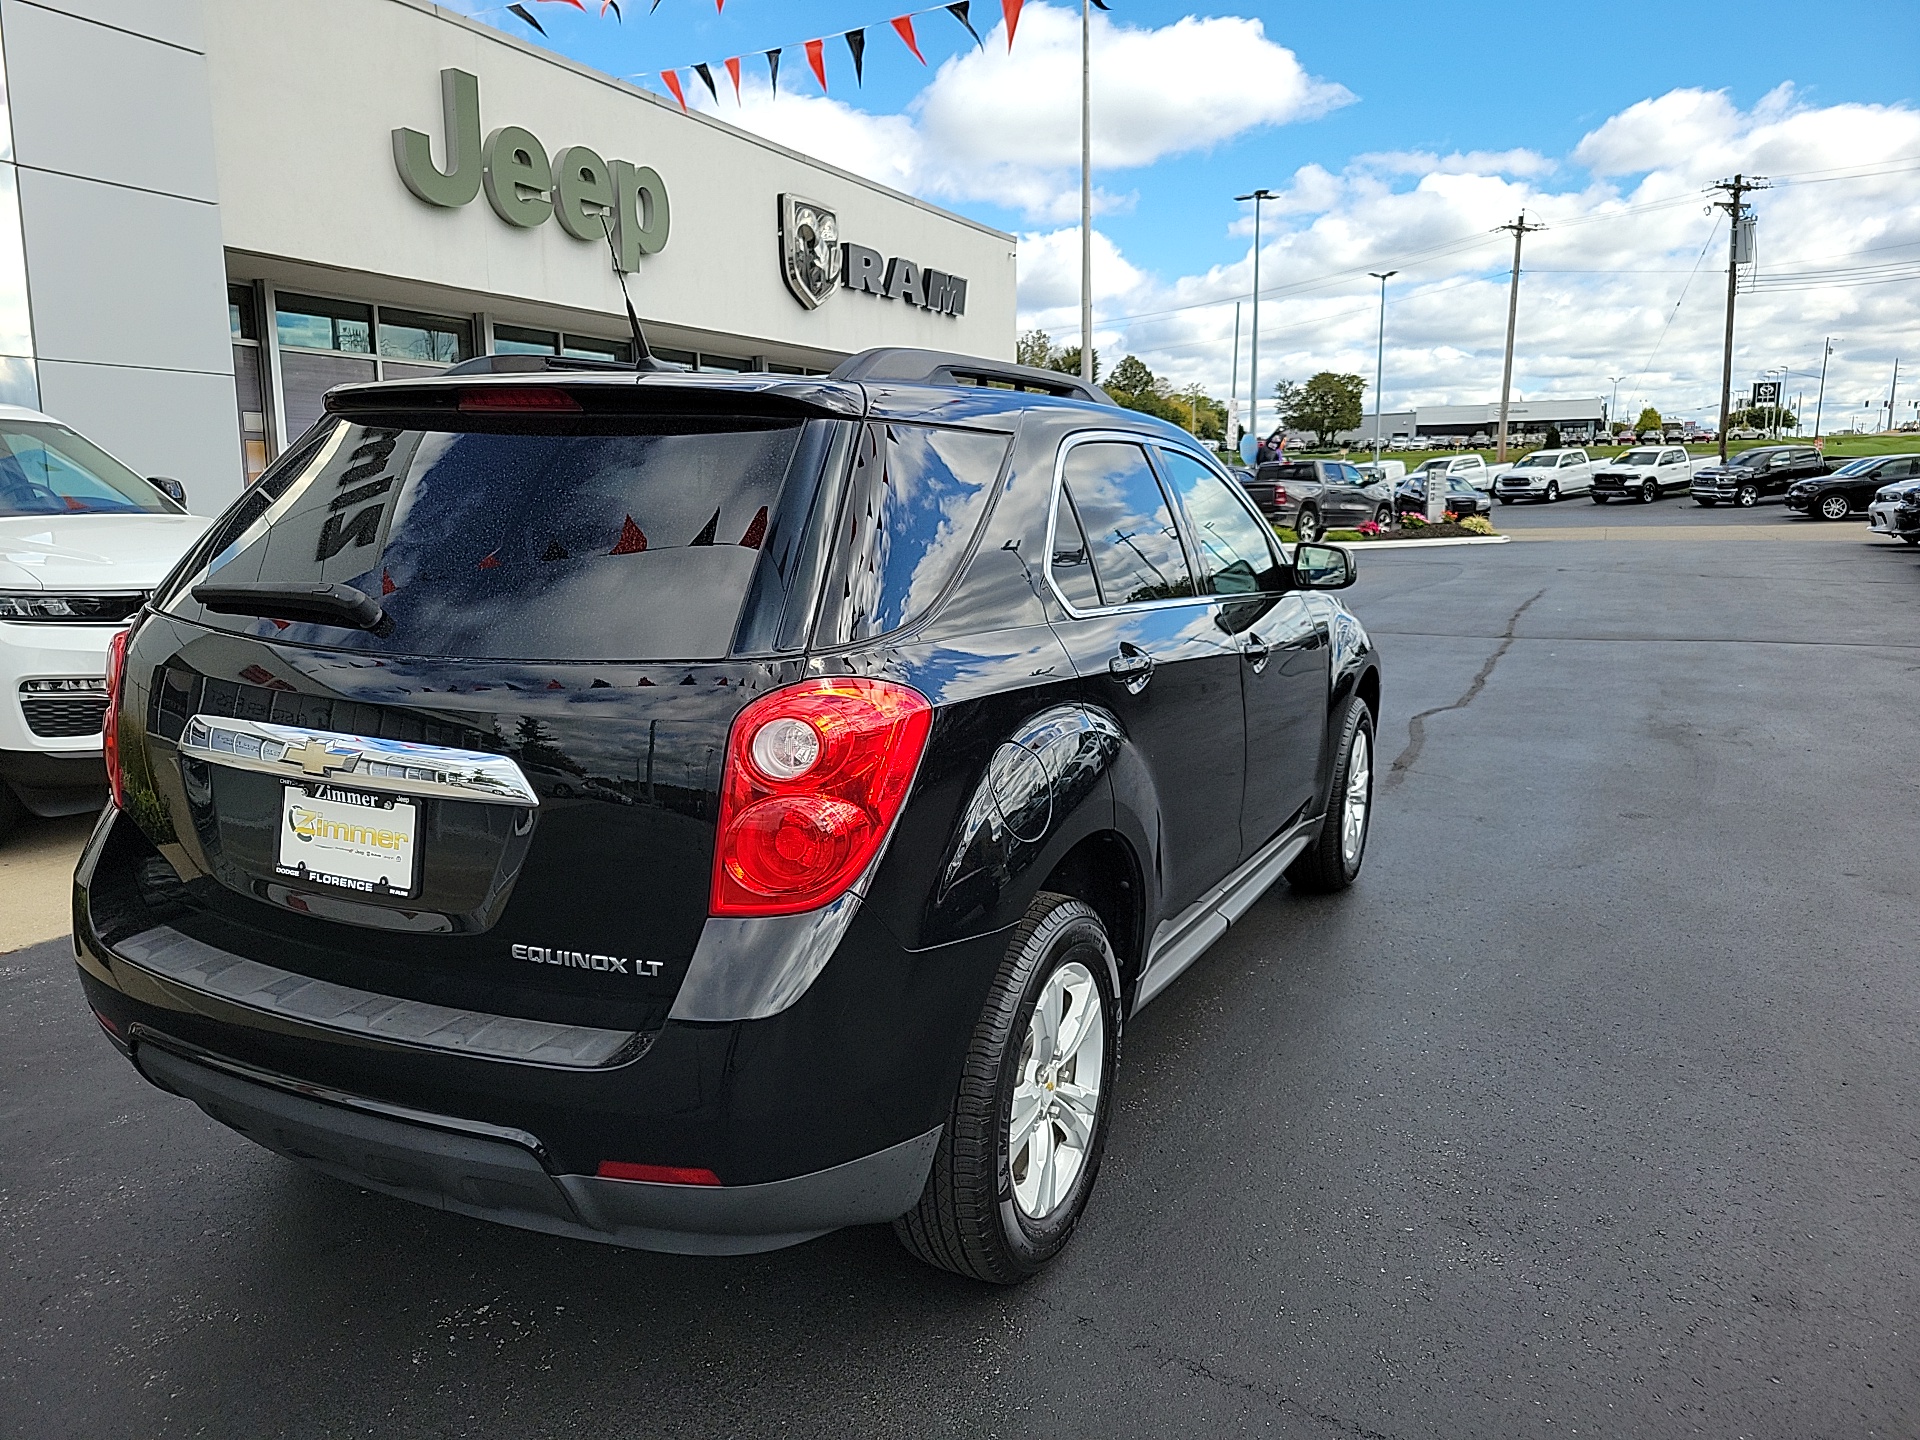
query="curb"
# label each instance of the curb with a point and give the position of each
(1360, 547)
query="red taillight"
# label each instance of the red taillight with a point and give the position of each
(110, 726)
(1279, 494)
(520, 401)
(656, 1174)
(815, 774)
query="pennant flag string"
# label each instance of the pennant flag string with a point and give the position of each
(856, 47)
(527, 16)
(1010, 10)
(903, 26)
(705, 73)
(733, 73)
(959, 10)
(773, 70)
(672, 77)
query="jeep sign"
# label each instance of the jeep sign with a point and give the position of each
(589, 196)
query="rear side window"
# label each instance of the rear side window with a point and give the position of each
(914, 503)
(1230, 545)
(1129, 526)
(533, 546)
(1071, 565)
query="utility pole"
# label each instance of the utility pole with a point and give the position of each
(1086, 190)
(1736, 210)
(1826, 353)
(1613, 407)
(1234, 389)
(1892, 393)
(1259, 198)
(1521, 229)
(1380, 356)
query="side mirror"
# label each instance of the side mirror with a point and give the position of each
(1323, 567)
(169, 487)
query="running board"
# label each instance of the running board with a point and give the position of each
(1178, 942)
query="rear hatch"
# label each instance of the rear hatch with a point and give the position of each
(499, 795)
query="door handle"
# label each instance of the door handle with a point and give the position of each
(1132, 667)
(1257, 651)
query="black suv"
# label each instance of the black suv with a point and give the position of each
(1747, 477)
(697, 812)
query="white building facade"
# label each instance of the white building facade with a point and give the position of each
(211, 211)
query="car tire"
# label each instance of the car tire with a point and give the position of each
(1705, 504)
(1334, 858)
(1649, 492)
(1506, 499)
(1553, 491)
(1307, 527)
(1834, 506)
(1383, 517)
(972, 1218)
(1747, 496)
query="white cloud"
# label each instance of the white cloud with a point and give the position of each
(1005, 127)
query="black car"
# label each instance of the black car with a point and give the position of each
(698, 811)
(1311, 497)
(1850, 489)
(1462, 499)
(1753, 474)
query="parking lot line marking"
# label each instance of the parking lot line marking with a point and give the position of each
(1807, 531)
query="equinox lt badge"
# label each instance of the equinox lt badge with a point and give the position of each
(577, 960)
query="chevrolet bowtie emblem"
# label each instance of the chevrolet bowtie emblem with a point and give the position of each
(317, 758)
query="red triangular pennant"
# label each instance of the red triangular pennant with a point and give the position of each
(733, 73)
(387, 587)
(632, 539)
(757, 531)
(1011, 10)
(817, 58)
(672, 77)
(903, 26)
(555, 685)
(490, 560)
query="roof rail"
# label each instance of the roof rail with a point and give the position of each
(910, 366)
(532, 364)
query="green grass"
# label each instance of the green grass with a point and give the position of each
(1844, 447)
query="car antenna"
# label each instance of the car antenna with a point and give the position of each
(642, 352)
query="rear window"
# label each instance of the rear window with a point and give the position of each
(547, 546)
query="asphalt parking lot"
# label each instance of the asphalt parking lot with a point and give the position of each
(1594, 1108)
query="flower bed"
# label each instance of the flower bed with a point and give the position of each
(1413, 527)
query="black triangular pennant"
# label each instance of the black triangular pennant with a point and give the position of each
(555, 551)
(521, 11)
(708, 531)
(706, 77)
(959, 11)
(773, 70)
(857, 47)
(1101, 5)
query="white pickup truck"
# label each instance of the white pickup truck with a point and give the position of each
(1645, 473)
(1545, 475)
(1473, 469)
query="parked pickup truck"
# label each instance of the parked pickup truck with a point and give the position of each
(1545, 475)
(1752, 474)
(1646, 474)
(1471, 468)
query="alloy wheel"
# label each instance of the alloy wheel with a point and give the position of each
(1308, 528)
(1553, 491)
(1056, 1099)
(1649, 492)
(1834, 507)
(1747, 496)
(1357, 801)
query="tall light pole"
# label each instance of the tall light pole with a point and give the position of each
(1521, 229)
(1086, 190)
(1259, 198)
(1778, 375)
(1613, 406)
(1234, 389)
(1826, 352)
(1893, 392)
(1380, 356)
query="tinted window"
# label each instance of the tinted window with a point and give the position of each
(1072, 567)
(1292, 470)
(1231, 547)
(522, 546)
(1130, 531)
(914, 501)
(49, 470)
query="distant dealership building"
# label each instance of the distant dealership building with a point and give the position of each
(1576, 420)
(211, 211)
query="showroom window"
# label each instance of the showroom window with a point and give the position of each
(324, 343)
(249, 379)
(518, 340)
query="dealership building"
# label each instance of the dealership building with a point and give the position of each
(1577, 419)
(212, 211)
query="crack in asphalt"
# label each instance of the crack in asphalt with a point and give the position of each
(1417, 726)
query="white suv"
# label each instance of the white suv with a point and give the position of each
(82, 541)
(1545, 475)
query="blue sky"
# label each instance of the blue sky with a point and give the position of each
(1483, 107)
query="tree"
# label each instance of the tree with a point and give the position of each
(1034, 348)
(1553, 437)
(1067, 361)
(1763, 417)
(1132, 377)
(1649, 420)
(1136, 387)
(1326, 404)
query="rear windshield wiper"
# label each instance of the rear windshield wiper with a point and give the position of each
(324, 603)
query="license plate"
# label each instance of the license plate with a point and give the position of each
(348, 839)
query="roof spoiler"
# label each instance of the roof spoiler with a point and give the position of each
(908, 366)
(533, 364)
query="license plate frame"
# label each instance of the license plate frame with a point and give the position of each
(356, 841)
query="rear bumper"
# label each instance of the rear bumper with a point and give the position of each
(497, 1174)
(56, 782)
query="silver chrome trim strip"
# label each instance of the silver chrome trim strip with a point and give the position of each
(1178, 942)
(396, 767)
